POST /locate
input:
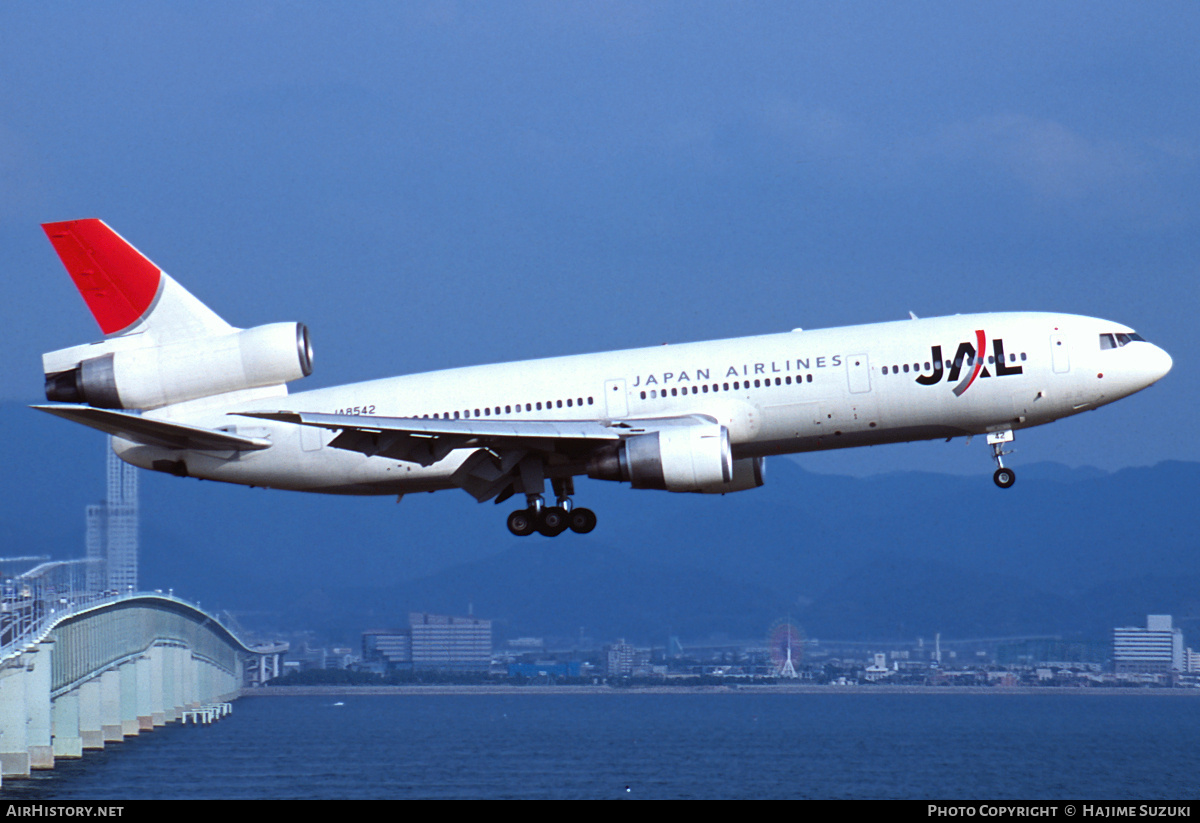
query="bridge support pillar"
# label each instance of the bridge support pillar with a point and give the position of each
(129, 698)
(37, 705)
(65, 716)
(110, 706)
(149, 689)
(91, 727)
(14, 720)
(188, 665)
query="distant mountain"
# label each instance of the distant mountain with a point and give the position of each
(1065, 551)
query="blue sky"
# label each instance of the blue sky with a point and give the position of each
(436, 184)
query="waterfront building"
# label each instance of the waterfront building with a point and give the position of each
(1158, 648)
(619, 659)
(432, 642)
(456, 643)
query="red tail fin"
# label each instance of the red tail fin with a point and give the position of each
(116, 280)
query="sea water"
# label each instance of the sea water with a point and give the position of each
(642, 746)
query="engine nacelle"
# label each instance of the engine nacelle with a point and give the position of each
(748, 473)
(676, 458)
(154, 376)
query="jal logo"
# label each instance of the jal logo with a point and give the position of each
(969, 355)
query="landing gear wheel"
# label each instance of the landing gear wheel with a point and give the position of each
(1004, 477)
(553, 521)
(522, 522)
(581, 521)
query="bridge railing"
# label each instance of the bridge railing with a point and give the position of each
(31, 602)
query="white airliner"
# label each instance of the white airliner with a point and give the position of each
(186, 393)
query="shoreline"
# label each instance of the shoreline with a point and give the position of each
(414, 690)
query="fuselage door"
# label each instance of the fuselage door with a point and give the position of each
(1058, 354)
(615, 400)
(858, 373)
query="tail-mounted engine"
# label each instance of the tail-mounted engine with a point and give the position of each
(149, 377)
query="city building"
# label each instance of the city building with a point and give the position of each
(619, 659)
(1158, 648)
(112, 531)
(432, 642)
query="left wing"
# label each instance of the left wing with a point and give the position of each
(418, 440)
(152, 432)
(501, 445)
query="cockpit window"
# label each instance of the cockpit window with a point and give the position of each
(1114, 341)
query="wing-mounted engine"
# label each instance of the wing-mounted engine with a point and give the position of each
(152, 376)
(748, 473)
(689, 458)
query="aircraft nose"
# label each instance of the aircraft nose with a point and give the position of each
(1155, 364)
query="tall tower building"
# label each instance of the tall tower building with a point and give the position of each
(112, 531)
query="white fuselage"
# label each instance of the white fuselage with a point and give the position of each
(776, 394)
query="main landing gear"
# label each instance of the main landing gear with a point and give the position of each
(552, 521)
(1003, 477)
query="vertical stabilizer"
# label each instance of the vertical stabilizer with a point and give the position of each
(124, 290)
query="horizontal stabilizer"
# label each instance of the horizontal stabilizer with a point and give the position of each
(151, 432)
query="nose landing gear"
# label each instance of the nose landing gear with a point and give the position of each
(1003, 476)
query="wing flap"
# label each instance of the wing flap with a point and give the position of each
(153, 432)
(476, 429)
(423, 441)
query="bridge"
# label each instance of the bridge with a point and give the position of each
(80, 671)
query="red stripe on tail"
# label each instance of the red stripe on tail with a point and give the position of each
(116, 280)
